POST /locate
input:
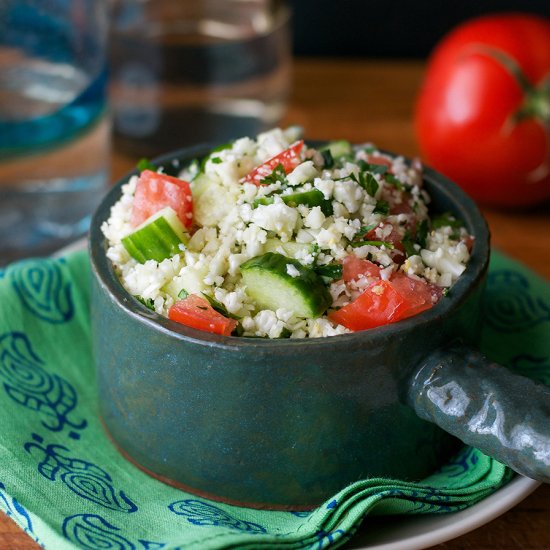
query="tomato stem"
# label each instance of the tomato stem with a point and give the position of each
(537, 98)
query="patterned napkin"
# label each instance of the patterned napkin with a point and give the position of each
(63, 482)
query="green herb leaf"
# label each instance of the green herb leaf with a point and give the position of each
(444, 220)
(315, 251)
(328, 160)
(145, 164)
(408, 244)
(208, 157)
(363, 231)
(422, 231)
(372, 168)
(366, 181)
(219, 307)
(371, 184)
(382, 207)
(222, 147)
(369, 149)
(216, 160)
(183, 293)
(396, 182)
(285, 333)
(149, 303)
(278, 175)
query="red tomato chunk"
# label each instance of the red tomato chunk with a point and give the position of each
(196, 312)
(155, 191)
(289, 159)
(384, 302)
(354, 267)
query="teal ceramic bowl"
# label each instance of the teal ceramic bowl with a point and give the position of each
(284, 424)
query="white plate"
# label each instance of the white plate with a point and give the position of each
(416, 532)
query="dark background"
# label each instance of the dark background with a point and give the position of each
(387, 28)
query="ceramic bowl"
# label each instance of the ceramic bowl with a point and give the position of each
(284, 424)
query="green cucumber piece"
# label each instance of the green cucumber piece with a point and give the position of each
(157, 238)
(310, 198)
(190, 278)
(290, 248)
(339, 148)
(270, 285)
(330, 272)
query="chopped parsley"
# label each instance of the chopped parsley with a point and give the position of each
(447, 220)
(372, 168)
(328, 160)
(422, 231)
(444, 220)
(278, 175)
(285, 333)
(364, 230)
(149, 303)
(371, 185)
(183, 293)
(219, 307)
(145, 164)
(396, 182)
(419, 238)
(366, 180)
(408, 244)
(382, 207)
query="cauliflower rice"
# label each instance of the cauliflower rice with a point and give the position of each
(235, 220)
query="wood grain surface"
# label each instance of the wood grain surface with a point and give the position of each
(373, 101)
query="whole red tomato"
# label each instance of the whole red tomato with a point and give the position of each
(483, 113)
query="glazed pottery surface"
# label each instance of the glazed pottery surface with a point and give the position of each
(276, 423)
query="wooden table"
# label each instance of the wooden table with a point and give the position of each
(372, 101)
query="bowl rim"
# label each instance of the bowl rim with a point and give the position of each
(467, 283)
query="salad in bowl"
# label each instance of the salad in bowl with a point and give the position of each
(274, 238)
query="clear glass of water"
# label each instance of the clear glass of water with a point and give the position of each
(186, 72)
(54, 130)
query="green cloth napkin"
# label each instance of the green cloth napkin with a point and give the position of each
(64, 483)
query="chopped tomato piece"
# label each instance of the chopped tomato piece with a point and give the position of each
(418, 294)
(384, 302)
(402, 207)
(468, 240)
(155, 191)
(378, 305)
(195, 311)
(289, 159)
(379, 159)
(354, 267)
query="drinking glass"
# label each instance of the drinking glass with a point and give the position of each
(54, 130)
(186, 72)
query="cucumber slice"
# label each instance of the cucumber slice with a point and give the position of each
(157, 238)
(270, 285)
(339, 148)
(291, 248)
(191, 278)
(198, 184)
(310, 198)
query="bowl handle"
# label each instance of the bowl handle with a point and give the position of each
(504, 415)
